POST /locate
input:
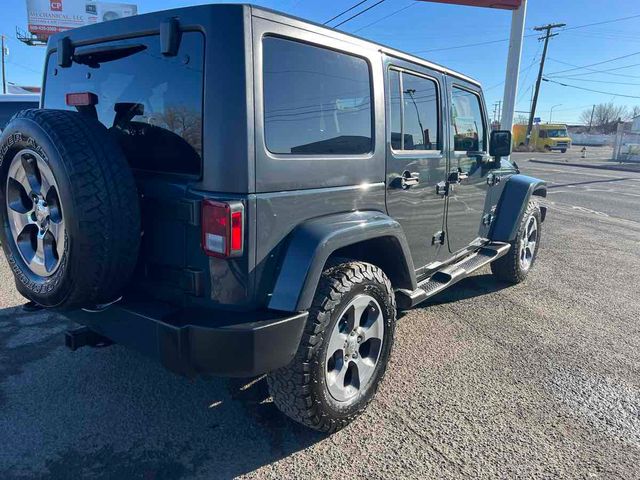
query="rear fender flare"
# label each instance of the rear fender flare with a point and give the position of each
(512, 204)
(312, 243)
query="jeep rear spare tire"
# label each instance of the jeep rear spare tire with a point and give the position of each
(70, 219)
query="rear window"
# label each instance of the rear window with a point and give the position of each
(316, 101)
(151, 103)
(8, 109)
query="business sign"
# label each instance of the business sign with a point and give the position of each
(47, 17)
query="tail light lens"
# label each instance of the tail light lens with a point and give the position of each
(222, 228)
(81, 99)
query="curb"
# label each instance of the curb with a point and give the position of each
(619, 168)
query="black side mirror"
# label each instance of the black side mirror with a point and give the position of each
(500, 144)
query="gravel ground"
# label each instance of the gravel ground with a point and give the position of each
(537, 380)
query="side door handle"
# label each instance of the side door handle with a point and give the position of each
(409, 179)
(458, 177)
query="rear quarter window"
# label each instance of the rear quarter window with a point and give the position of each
(150, 102)
(316, 101)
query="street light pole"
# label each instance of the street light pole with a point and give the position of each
(551, 110)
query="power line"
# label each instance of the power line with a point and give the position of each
(358, 14)
(527, 36)
(597, 63)
(610, 82)
(590, 90)
(386, 16)
(602, 23)
(591, 71)
(345, 11)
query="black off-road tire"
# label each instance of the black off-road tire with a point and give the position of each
(509, 268)
(100, 208)
(299, 390)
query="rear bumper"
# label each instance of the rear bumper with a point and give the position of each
(195, 342)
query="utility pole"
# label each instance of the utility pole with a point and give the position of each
(591, 120)
(534, 103)
(4, 79)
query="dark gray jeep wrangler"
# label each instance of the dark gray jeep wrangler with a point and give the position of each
(238, 192)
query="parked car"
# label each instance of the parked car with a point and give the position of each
(236, 192)
(10, 104)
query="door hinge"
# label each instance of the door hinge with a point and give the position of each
(487, 219)
(438, 238)
(493, 179)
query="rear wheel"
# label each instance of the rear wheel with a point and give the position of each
(515, 265)
(344, 351)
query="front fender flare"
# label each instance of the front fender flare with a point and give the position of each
(512, 205)
(313, 242)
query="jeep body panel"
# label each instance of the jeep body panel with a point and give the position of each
(418, 208)
(313, 242)
(513, 202)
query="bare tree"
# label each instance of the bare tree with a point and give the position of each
(605, 116)
(634, 112)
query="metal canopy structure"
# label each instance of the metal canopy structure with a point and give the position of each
(502, 4)
(519, 8)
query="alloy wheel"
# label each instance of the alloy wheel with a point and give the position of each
(354, 348)
(528, 243)
(35, 213)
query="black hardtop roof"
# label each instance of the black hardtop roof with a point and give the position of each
(140, 24)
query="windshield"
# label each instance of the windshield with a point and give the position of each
(558, 132)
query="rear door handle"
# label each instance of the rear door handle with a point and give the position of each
(409, 179)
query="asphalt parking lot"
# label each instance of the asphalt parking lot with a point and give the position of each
(537, 380)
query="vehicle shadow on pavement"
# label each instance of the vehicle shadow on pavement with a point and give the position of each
(112, 413)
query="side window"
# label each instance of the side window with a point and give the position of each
(316, 101)
(467, 122)
(543, 134)
(414, 112)
(396, 109)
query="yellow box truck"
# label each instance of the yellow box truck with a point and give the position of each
(548, 136)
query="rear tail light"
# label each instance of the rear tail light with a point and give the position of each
(222, 228)
(81, 99)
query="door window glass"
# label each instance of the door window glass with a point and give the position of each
(414, 112)
(316, 101)
(396, 109)
(467, 122)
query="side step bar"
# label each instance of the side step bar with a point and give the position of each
(451, 274)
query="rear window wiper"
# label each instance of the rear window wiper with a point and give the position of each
(93, 57)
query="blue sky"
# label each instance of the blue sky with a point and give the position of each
(432, 29)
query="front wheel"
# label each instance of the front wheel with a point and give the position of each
(563, 150)
(344, 350)
(515, 265)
